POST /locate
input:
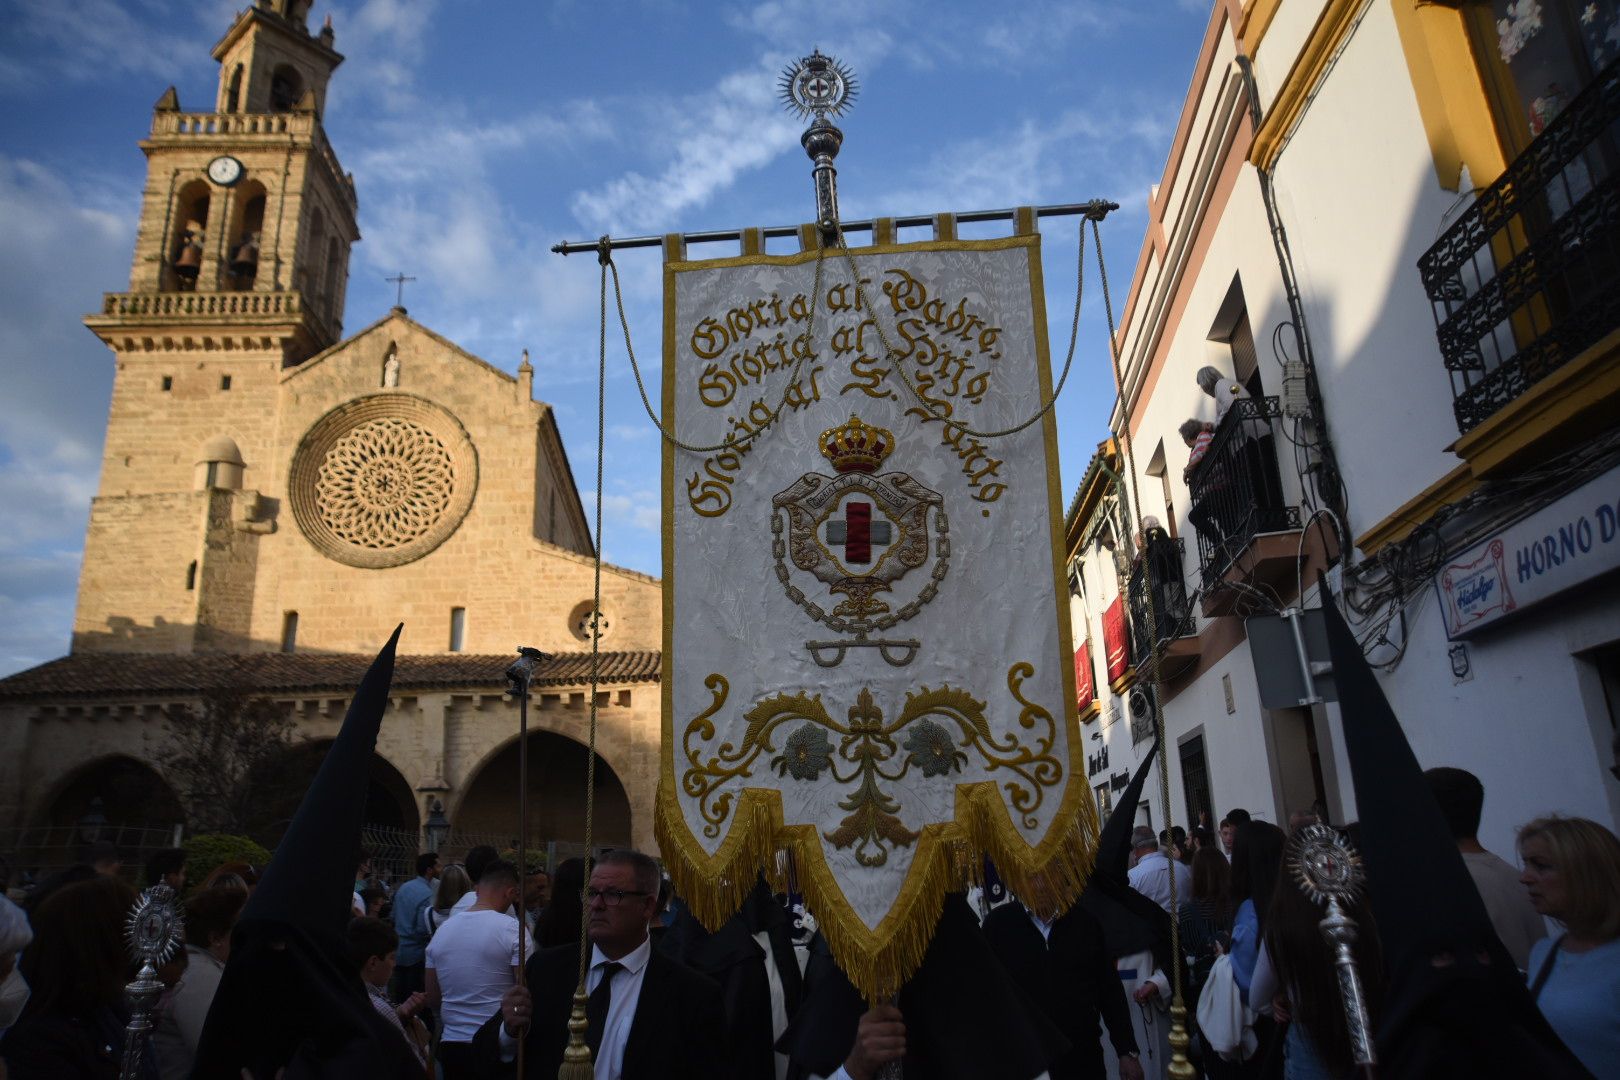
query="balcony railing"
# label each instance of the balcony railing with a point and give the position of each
(187, 305)
(1157, 578)
(1529, 276)
(1236, 489)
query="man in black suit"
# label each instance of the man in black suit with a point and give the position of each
(649, 1016)
(1065, 969)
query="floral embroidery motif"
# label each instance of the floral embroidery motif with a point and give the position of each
(807, 753)
(942, 727)
(933, 749)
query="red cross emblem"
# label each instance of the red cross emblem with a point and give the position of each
(857, 533)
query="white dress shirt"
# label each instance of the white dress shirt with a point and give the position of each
(1151, 877)
(621, 1014)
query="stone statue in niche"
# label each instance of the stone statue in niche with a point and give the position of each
(391, 370)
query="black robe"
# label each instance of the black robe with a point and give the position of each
(1072, 977)
(733, 958)
(965, 1018)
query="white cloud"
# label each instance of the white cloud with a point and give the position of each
(383, 43)
(705, 142)
(640, 510)
(50, 39)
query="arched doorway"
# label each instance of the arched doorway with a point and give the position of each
(130, 792)
(390, 803)
(488, 805)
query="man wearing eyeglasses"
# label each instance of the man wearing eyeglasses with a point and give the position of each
(648, 1016)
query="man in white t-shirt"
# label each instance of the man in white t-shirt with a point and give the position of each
(471, 962)
(477, 859)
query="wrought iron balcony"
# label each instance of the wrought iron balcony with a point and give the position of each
(1157, 578)
(1529, 276)
(1236, 489)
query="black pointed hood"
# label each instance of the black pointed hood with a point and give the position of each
(1454, 995)
(288, 998)
(1131, 922)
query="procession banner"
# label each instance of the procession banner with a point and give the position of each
(867, 660)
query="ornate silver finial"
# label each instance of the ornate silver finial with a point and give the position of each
(154, 932)
(820, 86)
(1328, 870)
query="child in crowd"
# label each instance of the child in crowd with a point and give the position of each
(372, 945)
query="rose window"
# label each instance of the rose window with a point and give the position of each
(385, 483)
(383, 480)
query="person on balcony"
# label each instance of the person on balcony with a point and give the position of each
(1198, 436)
(1258, 487)
(1160, 560)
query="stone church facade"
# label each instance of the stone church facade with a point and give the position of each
(275, 497)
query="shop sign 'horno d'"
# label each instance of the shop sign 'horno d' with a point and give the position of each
(1564, 544)
(867, 660)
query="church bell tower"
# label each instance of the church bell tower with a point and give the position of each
(241, 263)
(247, 218)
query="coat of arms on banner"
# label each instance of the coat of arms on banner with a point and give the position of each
(859, 535)
(867, 664)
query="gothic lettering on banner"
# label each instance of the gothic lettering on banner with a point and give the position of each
(868, 671)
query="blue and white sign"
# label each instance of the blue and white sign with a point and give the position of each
(1560, 546)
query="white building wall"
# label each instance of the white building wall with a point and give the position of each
(1527, 721)
(1360, 201)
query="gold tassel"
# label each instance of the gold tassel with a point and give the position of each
(879, 963)
(576, 1062)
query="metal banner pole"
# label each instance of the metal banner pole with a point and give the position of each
(520, 674)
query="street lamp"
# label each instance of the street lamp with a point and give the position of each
(437, 828)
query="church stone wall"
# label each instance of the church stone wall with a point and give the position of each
(441, 742)
(132, 588)
(154, 435)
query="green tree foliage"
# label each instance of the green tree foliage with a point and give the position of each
(207, 852)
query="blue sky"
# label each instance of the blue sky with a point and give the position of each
(480, 133)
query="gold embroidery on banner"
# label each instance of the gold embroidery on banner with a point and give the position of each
(867, 743)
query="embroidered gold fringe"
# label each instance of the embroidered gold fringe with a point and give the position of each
(878, 961)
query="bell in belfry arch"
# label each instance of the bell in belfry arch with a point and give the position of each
(188, 258)
(245, 259)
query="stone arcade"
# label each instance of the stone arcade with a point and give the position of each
(274, 497)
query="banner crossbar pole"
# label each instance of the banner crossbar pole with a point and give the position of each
(1096, 209)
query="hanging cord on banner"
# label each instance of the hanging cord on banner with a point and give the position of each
(922, 402)
(730, 442)
(576, 1063)
(1179, 1067)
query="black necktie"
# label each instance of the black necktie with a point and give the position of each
(596, 1007)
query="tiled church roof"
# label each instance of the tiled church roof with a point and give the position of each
(106, 674)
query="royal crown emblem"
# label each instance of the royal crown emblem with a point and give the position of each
(856, 447)
(844, 543)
